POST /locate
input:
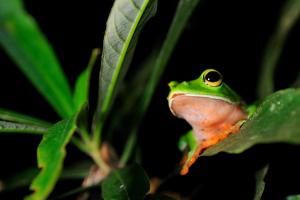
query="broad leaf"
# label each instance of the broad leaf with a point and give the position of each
(81, 91)
(12, 116)
(14, 127)
(293, 197)
(140, 98)
(260, 182)
(27, 46)
(290, 14)
(276, 120)
(51, 154)
(124, 24)
(127, 183)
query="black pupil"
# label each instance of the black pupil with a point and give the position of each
(213, 76)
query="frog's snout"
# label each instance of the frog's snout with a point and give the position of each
(173, 84)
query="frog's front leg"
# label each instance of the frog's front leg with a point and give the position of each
(194, 147)
(191, 148)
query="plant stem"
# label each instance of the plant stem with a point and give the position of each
(129, 147)
(96, 156)
(80, 145)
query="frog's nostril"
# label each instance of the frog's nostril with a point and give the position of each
(173, 84)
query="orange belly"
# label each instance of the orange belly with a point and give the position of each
(212, 120)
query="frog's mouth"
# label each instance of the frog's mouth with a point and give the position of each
(171, 99)
(199, 98)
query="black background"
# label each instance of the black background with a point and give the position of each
(227, 35)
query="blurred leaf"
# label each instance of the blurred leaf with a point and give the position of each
(129, 99)
(127, 183)
(124, 25)
(260, 182)
(157, 62)
(184, 11)
(293, 197)
(12, 116)
(276, 120)
(24, 178)
(296, 83)
(14, 127)
(51, 154)
(81, 91)
(128, 109)
(289, 16)
(27, 46)
(21, 179)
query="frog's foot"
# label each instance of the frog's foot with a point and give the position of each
(190, 158)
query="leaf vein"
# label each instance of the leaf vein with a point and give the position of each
(111, 46)
(122, 182)
(124, 15)
(117, 31)
(135, 6)
(106, 62)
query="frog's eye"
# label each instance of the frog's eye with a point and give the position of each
(212, 77)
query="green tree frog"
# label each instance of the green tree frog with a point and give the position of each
(213, 110)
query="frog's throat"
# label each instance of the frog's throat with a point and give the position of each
(170, 99)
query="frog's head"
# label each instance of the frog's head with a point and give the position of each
(210, 84)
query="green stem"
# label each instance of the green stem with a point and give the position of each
(84, 135)
(80, 145)
(97, 134)
(96, 156)
(91, 148)
(129, 147)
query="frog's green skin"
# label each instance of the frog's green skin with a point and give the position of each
(217, 96)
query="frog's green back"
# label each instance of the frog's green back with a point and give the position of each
(202, 87)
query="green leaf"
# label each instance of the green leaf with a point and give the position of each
(81, 91)
(293, 197)
(124, 24)
(276, 120)
(159, 61)
(14, 127)
(24, 178)
(184, 11)
(12, 116)
(51, 154)
(290, 14)
(260, 182)
(27, 46)
(127, 183)
(128, 112)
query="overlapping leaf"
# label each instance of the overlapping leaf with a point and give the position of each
(260, 182)
(150, 74)
(290, 15)
(81, 91)
(127, 183)
(14, 127)
(27, 46)
(276, 120)
(12, 116)
(124, 24)
(51, 153)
